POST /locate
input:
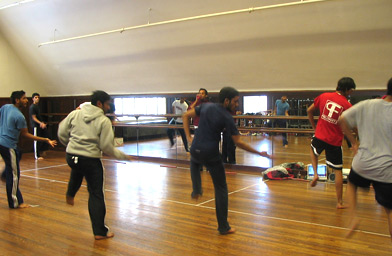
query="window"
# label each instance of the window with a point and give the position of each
(255, 104)
(139, 106)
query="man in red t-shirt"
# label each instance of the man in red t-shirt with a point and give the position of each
(328, 135)
(201, 97)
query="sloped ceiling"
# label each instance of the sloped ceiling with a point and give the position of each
(302, 47)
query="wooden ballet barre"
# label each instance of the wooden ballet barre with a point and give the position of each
(249, 129)
(135, 123)
(273, 117)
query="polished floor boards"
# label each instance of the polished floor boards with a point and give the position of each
(298, 150)
(150, 210)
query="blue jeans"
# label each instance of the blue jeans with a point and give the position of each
(282, 124)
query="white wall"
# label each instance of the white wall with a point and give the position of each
(302, 47)
(14, 75)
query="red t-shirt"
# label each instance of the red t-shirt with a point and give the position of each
(331, 106)
(196, 119)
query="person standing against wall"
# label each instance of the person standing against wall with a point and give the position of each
(328, 135)
(38, 126)
(12, 125)
(282, 108)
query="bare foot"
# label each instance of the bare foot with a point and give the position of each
(23, 205)
(340, 206)
(40, 158)
(70, 200)
(108, 235)
(230, 231)
(313, 183)
(352, 227)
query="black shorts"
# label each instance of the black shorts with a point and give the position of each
(383, 190)
(333, 154)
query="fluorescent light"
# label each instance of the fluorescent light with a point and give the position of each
(15, 4)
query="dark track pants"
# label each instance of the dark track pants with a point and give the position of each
(11, 173)
(92, 169)
(171, 133)
(218, 175)
(282, 124)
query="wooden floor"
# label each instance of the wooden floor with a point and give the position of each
(298, 150)
(150, 210)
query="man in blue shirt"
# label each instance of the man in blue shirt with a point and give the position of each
(12, 125)
(214, 118)
(282, 109)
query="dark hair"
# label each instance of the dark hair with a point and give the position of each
(227, 93)
(35, 94)
(202, 89)
(16, 95)
(389, 88)
(345, 84)
(99, 96)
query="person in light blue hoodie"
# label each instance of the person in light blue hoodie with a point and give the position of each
(86, 133)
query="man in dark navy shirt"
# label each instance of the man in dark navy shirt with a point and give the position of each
(205, 148)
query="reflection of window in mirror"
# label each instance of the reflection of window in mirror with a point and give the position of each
(139, 106)
(255, 104)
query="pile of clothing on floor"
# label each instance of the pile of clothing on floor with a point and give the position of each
(284, 171)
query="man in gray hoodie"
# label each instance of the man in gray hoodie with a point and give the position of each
(87, 133)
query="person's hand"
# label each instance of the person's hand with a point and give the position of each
(265, 154)
(132, 158)
(190, 139)
(42, 125)
(354, 148)
(52, 143)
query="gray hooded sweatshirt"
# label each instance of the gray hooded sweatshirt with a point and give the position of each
(88, 132)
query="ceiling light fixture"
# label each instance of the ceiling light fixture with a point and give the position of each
(121, 30)
(15, 4)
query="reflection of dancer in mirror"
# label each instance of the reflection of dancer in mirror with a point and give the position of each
(328, 135)
(201, 97)
(282, 108)
(372, 163)
(12, 125)
(205, 149)
(179, 108)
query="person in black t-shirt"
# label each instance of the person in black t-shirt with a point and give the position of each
(38, 126)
